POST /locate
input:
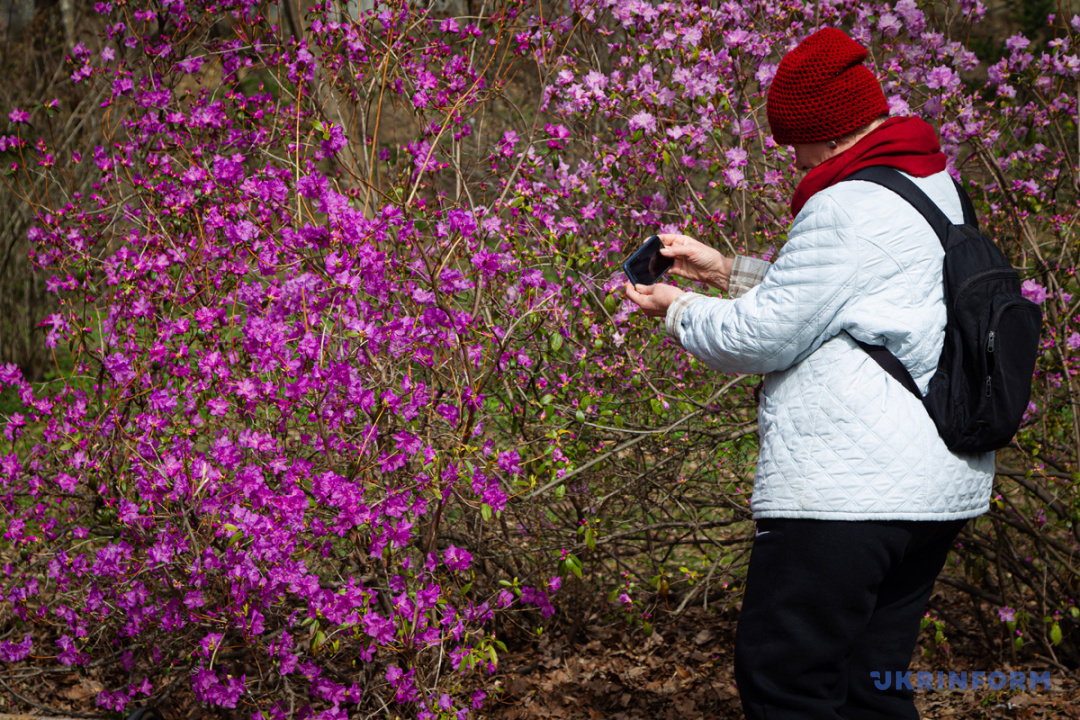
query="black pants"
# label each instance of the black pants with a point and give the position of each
(826, 604)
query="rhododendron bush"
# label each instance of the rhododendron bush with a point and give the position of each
(348, 392)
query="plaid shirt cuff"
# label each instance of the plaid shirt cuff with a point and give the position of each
(674, 313)
(746, 272)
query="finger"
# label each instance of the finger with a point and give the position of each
(633, 295)
(644, 302)
(675, 251)
(644, 290)
(670, 239)
(683, 269)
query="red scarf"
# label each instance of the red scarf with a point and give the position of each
(905, 143)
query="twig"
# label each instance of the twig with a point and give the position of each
(973, 590)
(630, 443)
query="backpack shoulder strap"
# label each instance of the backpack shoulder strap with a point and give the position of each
(890, 364)
(892, 179)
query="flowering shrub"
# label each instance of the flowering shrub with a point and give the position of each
(349, 389)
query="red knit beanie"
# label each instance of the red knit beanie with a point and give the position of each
(822, 91)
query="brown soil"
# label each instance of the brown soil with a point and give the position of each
(684, 671)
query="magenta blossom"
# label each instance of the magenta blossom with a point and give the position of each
(1033, 291)
(643, 121)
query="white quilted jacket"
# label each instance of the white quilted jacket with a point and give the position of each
(840, 438)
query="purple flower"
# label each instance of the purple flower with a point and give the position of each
(1007, 614)
(1016, 42)
(190, 64)
(333, 141)
(913, 17)
(1033, 291)
(736, 156)
(942, 77)
(11, 651)
(734, 177)
(457, 558)
(510, 462)
(378, 628)
(69, 655)
(898, 106)
(19, 116)
(643, 121)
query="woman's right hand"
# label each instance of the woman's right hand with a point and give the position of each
(694, 260)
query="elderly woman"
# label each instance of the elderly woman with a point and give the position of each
(856, 497)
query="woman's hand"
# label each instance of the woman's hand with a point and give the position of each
(654, 300)
(694, 260)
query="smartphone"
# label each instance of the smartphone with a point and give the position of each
(646, 264)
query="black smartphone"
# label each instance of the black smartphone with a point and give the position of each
(646, 264)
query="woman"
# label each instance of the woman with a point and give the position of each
(857, 499)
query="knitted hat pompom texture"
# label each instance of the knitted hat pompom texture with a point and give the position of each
(822, 91)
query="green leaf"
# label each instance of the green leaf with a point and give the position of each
(610, 303)
(485, 510)
(1055, 634)
(546, 400)
(590, 538)
(657, 406)
(555, 341)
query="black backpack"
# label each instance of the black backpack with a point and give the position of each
(981, 388)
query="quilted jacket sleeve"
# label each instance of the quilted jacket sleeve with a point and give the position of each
(794, 309)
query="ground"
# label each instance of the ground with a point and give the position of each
(684, 671)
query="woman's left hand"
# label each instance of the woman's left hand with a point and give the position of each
(654, 300)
